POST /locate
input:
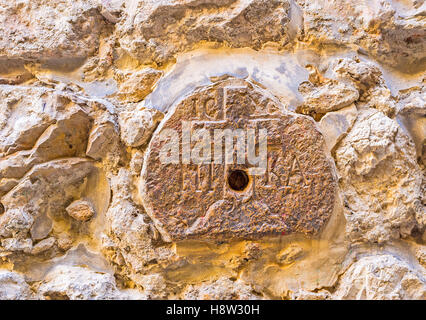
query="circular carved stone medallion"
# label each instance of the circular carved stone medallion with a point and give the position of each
(193, 189)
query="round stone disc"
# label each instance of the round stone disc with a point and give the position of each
(211, 200)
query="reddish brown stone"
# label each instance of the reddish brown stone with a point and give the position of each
(295, 195)
(81, 210)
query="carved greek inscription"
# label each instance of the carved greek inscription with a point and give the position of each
(244, 168)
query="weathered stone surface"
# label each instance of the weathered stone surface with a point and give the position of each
(308, 295)
(186, 201)
(102, 139)
(13, 286)
(81, 210)
(17, 245)
(50, 126)
(391, 31)
(335, 125)
(364, 75)
(25, 104)
(154, 285)
(47, 176)
(155, 31)
(412, 112)
(15, 222)
(43, 245)
(130, 238)
(330, 95)
(135, 86)
(221, 289)
(383, 277)
(66, 138)
(65, 241)
(136, 163)
(78, 283)
(368, 80)
(45, 29)
(137, 125)
(111, 9)
(381, 182)
(46, 188)
(421, 255)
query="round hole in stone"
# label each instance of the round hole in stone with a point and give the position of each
(238, 180)
(1, 208)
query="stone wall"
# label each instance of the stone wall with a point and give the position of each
(87, 87)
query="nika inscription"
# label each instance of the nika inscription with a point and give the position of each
(210, 199)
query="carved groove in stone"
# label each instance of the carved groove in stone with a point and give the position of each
(296, 194)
